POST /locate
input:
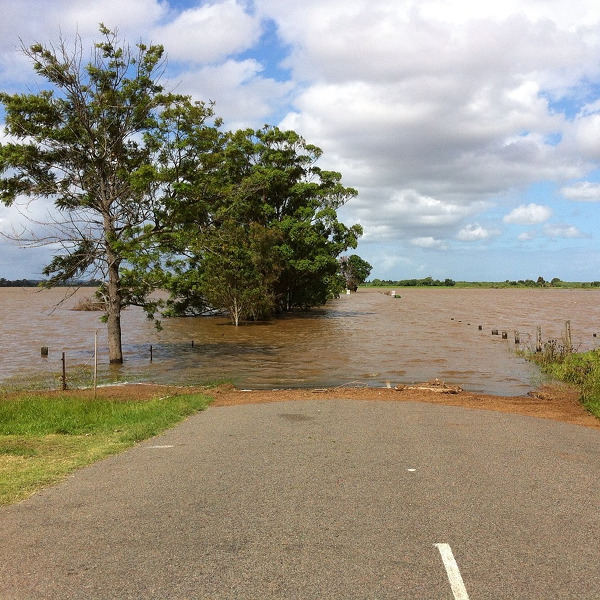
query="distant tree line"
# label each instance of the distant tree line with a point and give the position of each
(426, 281)
(17, 282)
(524, 283)
(40, 283)
(555, 282)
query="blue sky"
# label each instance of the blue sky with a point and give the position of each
(471, 130)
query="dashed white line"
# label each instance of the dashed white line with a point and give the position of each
(456, 581)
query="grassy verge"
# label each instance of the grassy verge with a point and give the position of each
(45, 436)
(579, 368)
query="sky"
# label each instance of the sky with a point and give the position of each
(471, 130)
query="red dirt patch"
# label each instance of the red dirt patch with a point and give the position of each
(557, 402)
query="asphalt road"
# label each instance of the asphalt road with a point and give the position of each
(321, 499)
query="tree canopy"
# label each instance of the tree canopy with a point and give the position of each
(270, 229)
(355, 271)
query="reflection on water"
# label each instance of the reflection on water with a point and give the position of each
(366, 338)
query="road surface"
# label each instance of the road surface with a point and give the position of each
(321, 499)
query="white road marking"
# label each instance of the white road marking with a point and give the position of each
(456, 581)
(160, 447)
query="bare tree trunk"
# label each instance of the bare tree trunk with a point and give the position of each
(115, 302)
(234, 311)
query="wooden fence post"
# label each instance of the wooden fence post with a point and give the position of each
(568, 344)
(64, 372)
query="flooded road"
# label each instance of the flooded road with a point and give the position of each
(367, 338)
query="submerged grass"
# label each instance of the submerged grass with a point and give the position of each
(44, 436)
(579, 368)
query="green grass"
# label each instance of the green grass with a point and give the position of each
(43, 437)
(579, 368)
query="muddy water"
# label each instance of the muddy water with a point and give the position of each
(367, 338)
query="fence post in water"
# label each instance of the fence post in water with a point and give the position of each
(538, 341)
(64, 372)
(150, 353)
(45, 351)
(568, 345)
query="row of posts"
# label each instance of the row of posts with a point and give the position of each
(538, 337)
(538, 348)
(44, 354)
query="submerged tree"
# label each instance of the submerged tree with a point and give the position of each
(355, 270)
(81, 144)
(274, 223)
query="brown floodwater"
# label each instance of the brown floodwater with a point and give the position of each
(367, 338)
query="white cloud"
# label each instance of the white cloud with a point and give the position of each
(242, 96)
(526, 236)
(434, 110)
(582, 192)
(474, 232)
(376, 232)
(210, 32)
(428, 242)
(390, 262)
(25, 23)
(37, 22)
(559, 230)
(528, 214)
(128, 17)
(587, 135)
(406, 215)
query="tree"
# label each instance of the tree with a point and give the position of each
(81, 144)
(274, 217)
(275, 178)
(232, 277)
(355, 271)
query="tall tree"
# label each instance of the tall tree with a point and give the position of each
(81, 143)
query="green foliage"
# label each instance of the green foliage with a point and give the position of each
(78, 144)
(354, 270)
(579, 368)
(233, 276)
(264, 233)
(95, 144)
(425, 282)
(135, 420)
